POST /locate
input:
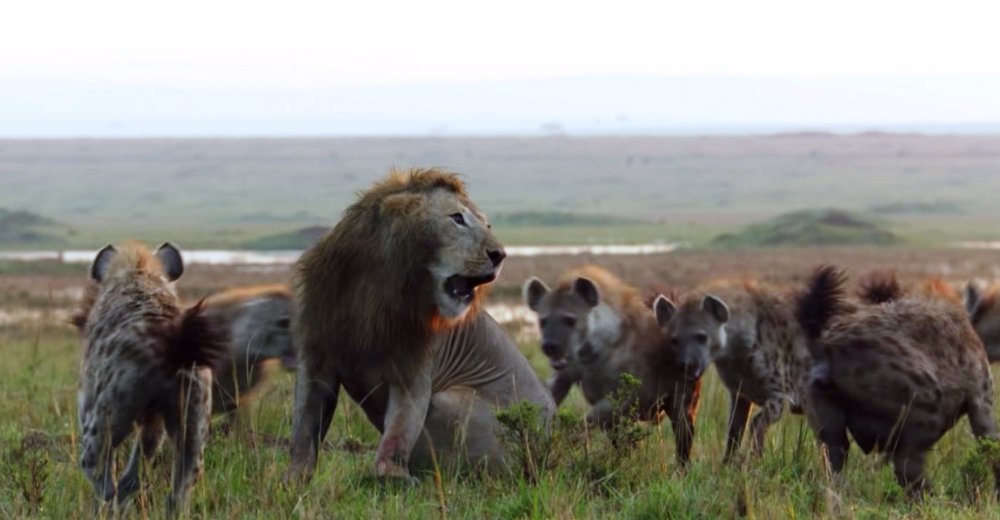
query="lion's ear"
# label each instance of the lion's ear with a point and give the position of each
(402, 203)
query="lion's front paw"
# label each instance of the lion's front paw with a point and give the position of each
(389, 470)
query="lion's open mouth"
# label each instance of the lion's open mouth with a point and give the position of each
(462, 288)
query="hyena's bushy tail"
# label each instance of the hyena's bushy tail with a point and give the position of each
(880, 287)
(196, 341)
(822, 300)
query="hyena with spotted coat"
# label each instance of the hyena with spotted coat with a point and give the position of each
(896, 375)
(147, 366)
(761, 353)
(595, 328)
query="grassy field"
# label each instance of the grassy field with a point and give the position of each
(583, 476)
(222, 192)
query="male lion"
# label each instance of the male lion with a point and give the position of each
(389, 309)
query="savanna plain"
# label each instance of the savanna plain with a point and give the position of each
(931, 192)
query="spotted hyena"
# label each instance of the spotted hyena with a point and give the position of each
(896, 376)
(749, 331)
(595, 328)
(255, 322)
(983, 306)
(146, 367)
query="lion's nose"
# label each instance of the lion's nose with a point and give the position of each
(496, 256)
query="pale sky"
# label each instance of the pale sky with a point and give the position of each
(337, 43)
(48, 49)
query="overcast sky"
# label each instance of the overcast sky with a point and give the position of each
(285, 46)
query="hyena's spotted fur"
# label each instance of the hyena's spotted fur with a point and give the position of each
(595, 328)
(983, 306)
(146, 366)
(749, 331)
(896, 375)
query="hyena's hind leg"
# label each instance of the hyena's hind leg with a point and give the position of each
(189, 432)
(96, 459)
(145, 447)
(828, 420)
(908, 464)
(101, 432)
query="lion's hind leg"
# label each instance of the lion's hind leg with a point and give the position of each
(461, 431)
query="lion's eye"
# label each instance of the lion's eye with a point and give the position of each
(457, 218)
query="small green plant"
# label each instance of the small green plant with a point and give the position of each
(28, 467)
(527, 436)
(625, 431)
(977, 467)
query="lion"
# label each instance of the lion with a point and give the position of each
(389, 309)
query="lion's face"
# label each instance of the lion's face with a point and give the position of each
(468, 257)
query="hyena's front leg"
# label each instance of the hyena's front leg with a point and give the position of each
(739, 411)
(682, 416)
(145, 447)
(191, 433)
(562, 382)
(769, 413)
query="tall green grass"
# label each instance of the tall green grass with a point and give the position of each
(581, 476)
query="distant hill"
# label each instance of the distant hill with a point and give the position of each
(19, 228)
(811, 228)
(292, 240)
(550, 218)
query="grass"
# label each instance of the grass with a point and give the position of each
(223, 192)
(583, 476)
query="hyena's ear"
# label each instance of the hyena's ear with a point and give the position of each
(972, 298)
(664, 310)
(100, 266)
(533, 291)
(587, 290)
(170, 258)
(716, 307)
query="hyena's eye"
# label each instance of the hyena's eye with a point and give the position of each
(458, 219)
(543, 322)
(569, 321)
(701, 338)
(283, 323)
